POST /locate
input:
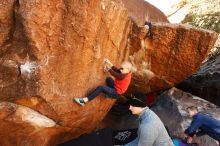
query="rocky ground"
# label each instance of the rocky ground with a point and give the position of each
(171, 108)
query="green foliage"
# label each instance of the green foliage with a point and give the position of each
(205, 14)
(206, 21)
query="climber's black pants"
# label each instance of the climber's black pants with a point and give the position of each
(108, 90)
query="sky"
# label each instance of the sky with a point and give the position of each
(163, 5)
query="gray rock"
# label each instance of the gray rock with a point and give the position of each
(171, 108)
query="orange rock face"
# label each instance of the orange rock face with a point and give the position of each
(52, 51)
(172, 54)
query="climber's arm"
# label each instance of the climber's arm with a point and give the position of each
(115, 72)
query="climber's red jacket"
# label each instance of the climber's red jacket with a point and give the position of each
(122, 81)
(122, 85)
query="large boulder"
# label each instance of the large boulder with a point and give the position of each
(173, 53)
(20, 121)
(52, 51)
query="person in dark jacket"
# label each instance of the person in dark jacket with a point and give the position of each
(202, 124)
(115, 87)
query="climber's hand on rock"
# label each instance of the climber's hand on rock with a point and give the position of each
(106, 68)
(108, 62)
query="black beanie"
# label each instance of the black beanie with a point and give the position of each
(138, 100)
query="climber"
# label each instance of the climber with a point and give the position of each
(202, 124)
(151, 131)
(113, 88)
(148, 26)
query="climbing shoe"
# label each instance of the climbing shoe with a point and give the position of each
(80, 101)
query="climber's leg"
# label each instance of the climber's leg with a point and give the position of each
(110, 92)
(80, 101)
